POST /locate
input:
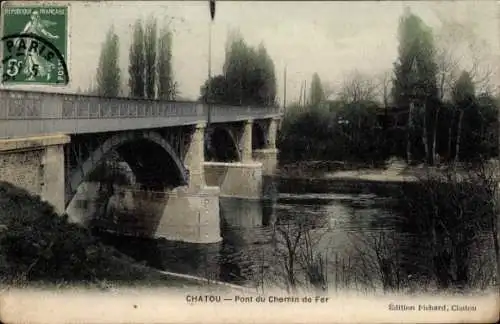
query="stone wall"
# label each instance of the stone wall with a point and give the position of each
(37, 165)
(24, 169)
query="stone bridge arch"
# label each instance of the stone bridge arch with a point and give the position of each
(143, 151)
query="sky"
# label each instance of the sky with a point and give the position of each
(332, 39)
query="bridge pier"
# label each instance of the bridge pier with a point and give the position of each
(246, 142)
(239, 180)
(240, 184)
(191, 213)
(268, 155)
(240, 191)
(37, 165)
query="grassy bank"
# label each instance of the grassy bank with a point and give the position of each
(39, 248)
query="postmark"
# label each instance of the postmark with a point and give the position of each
(35, 45)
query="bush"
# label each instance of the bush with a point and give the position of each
(350, 133)
(450, 219)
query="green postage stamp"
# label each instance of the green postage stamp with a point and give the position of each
(35, 44)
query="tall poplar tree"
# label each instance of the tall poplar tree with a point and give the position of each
(166, 86)
(415, 86)
(137, 62)
(108, 74)
(317, 95)
(267, 77)
(150, 50)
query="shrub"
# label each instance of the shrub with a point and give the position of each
(450, 219)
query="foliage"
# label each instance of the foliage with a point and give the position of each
(453, 215)
(295, 245)
(415, 69)
(150, 50)
(317, 93)
(150, 68)
(356, 126)
(248, 76)
(444, 236)
(357, 87)
(108, 72)
(299, 140)
(460, 47)
(137, 62)
(39, 247)
(217, 87)
(349, 132)
(415, 82)
(166, 86)
(37, 244)
(463, 92)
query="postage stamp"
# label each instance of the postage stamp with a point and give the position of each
(35, 44)
(249, 161)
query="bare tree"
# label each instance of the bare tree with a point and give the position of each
(297, 246)
(459, 47)
(377, 261)
(455, 212)
(384, 81)
(358, 87)
(329, 89)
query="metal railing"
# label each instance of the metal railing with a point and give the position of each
(29, 105)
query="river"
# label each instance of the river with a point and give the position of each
(352, 236)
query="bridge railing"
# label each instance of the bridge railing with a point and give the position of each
(15, 104)
(95, 107)
(42, 105)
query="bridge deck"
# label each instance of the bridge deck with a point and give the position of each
(27, 113)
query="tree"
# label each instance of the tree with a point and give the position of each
(357, 88)
(266, 78)
(317, 95)
(166, 87)
(385, 80)
(237, 56)
(137, 62)
(359, 126)
(415, 79)
(217, 86)
(463, 97)
(150, 58)
(108, 71)
(248, 75)
(459, 47)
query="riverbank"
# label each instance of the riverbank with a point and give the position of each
(40, 248)
(134, 275)
(392, 171)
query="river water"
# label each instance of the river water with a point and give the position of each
(348, 233)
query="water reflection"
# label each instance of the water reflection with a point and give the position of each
(248, 251)
(354, 236)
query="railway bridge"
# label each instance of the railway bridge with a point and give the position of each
(52, 144)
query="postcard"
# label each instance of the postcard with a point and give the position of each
(249, 161)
